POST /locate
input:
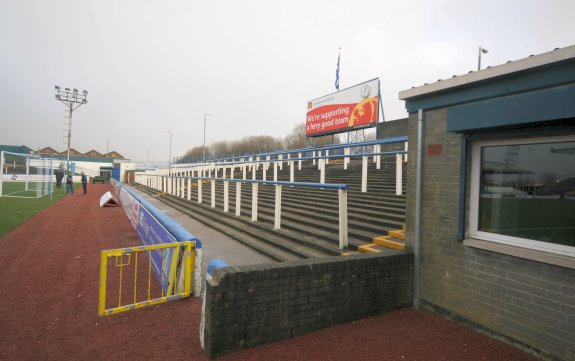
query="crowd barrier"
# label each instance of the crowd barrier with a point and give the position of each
(155, 228)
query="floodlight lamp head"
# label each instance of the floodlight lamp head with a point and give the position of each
(85, 92)
(67, 89)
(57, 97)
(57, 88)
(484, 51)
(75, 91)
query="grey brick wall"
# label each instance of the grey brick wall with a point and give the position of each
(525, 303)
(252, 305)
(392, 129)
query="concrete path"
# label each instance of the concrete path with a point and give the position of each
(216, 245)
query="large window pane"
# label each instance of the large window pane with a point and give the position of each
(528, 191)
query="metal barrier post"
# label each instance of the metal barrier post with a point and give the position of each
(275, 171)
(343, 231)
(405, 155)
(226, 200)
(213, 194)
(398, 174)
(321, 162)
(278, 207)
(238, 198)
(299, 161)
(291, 175)
(254, 202)
(364, 174)
(200, 182)
(189, 181)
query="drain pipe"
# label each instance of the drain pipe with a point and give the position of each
(417, 240)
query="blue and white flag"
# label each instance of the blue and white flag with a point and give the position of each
(337, 74)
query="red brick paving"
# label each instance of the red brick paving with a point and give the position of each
(49, 271)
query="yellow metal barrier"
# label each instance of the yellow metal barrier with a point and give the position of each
(174, 282)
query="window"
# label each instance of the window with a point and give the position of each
(523, 193)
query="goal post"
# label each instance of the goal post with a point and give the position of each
(25, 175)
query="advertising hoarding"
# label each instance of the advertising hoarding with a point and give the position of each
(350, 109)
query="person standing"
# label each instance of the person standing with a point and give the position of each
(69, 185)
(59, 175)
(84, 183)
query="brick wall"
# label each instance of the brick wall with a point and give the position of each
(526, 303)
(251, 305)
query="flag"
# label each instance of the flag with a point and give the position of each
(337, 74)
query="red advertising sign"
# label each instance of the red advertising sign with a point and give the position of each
(352, 108)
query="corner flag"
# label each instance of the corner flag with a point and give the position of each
(337, 73)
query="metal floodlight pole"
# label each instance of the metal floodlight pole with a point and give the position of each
(107, 145)
(481, 51)
(72, 99)
(204, 147)
(170, 159)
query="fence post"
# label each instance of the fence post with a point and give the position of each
(238, 198)
(378, 162)
(264, 170)
(254, 202)
(327, 155)
(299, 161)
(280, 157)
(343, 234)
(278, 207)
(346, 159)
(189, 180)
(275, 171)
(254, 170)
(364, 174)
(244, 170)
(291, 176)
(398, 174)
(213, 193)
(226, 198)
(200, 183)
(321, 162)
(405, 155)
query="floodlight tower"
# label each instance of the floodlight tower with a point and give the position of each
(204, 149)
(72, 100)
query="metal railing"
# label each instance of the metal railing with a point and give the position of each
(177, 186)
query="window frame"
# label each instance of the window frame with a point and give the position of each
(475, 175)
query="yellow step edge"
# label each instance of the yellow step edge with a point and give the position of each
(397, 234)
(388, 243)
(367, 248)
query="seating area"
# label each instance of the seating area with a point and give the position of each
(309, 215)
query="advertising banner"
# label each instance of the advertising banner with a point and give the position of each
(151, 232)
(352, 108)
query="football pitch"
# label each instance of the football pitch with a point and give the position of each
(15, 211)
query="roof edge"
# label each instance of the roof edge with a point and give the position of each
(530, 62)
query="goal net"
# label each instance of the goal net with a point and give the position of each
(25, 175)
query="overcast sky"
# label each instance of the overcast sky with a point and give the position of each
(151, 65)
